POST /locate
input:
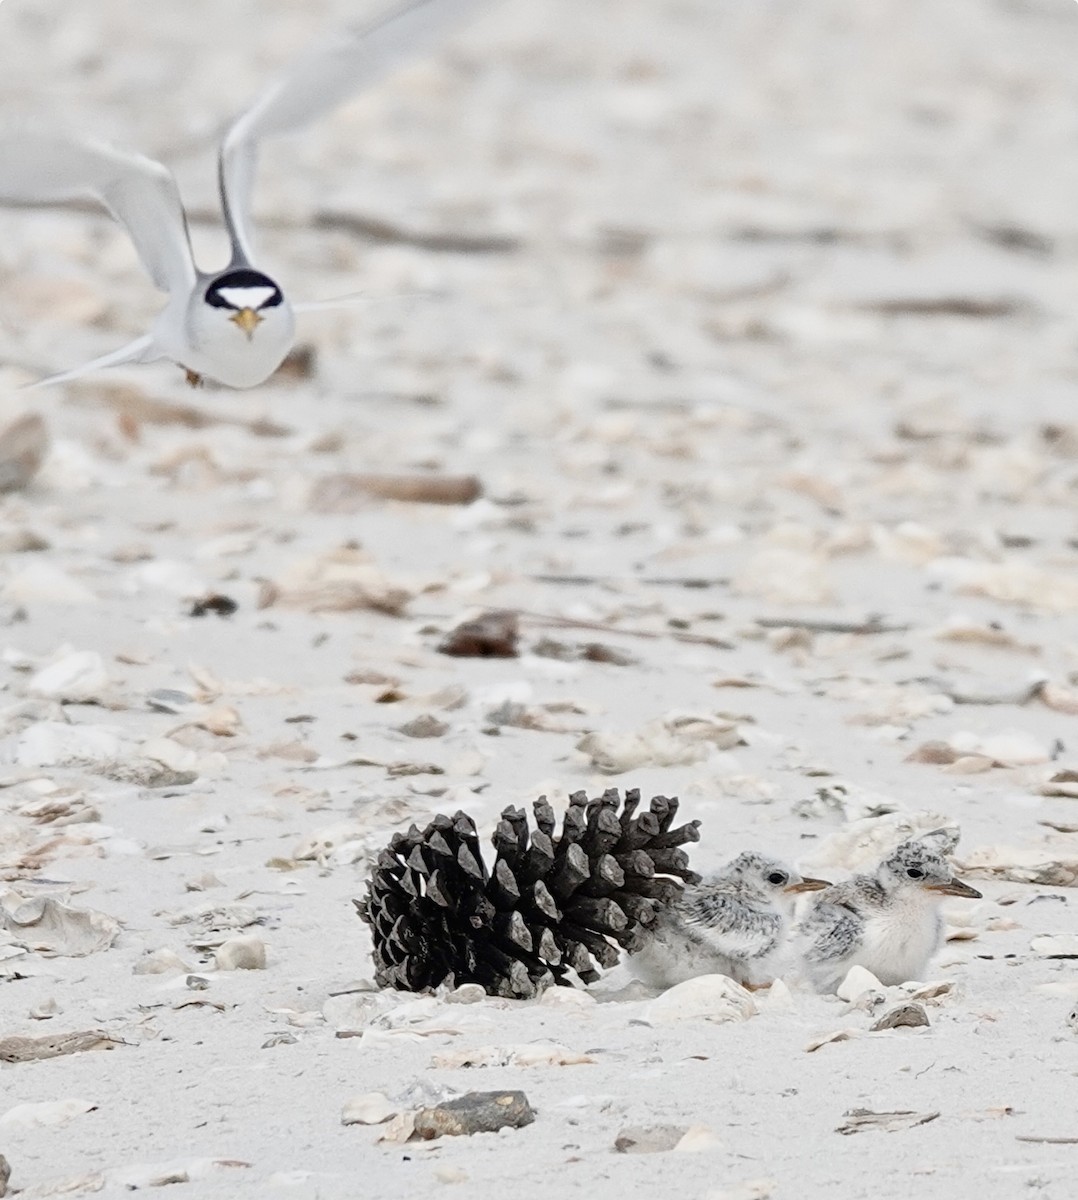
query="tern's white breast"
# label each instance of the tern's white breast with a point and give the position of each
(211, 344)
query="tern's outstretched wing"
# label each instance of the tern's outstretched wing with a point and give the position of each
(140, 193)
(327, 74)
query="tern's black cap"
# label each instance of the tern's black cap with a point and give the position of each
(227, 290)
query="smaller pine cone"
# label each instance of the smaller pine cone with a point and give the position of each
(550, 905)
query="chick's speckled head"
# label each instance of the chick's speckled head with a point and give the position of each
(767, 876)
(917, 864)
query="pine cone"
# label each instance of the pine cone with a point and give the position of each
(550, 904)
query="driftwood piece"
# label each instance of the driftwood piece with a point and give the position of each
(16, 1049)
(344, 492)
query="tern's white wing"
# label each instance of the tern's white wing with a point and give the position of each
(323, 77)
(140, 193)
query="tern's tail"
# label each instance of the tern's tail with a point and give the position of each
(142, 349)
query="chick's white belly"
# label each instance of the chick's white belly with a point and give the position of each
(663, 963)
(898, 944)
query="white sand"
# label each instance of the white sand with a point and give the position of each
(687, 370)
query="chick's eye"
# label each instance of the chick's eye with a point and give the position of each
(777, 878)
(915, 873)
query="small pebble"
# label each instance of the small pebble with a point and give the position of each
(474, 1112)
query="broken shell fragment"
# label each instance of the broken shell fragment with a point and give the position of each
(244, 953)
(74, 678)
(714, 998)
(372, 1108)
(909, 1016)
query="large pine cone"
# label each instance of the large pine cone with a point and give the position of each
(550, 905)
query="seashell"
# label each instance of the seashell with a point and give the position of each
(857, 982)
(829, 1039)
(778, 999)
(160, 962)
(863, 843)
(969, 764)
(244, 953)
(785, 576)
(649, 1139)
(147, 773)
(560, 997)
(372, 1108)
(467, 993)
(1055, 868)
(46, 1010)
(1012, 581)
(400, 1128)
(932, 990)
(56, 744)
(338, 588)
(902, 1016)
(137, 1176)
(750, 1189)
(448, 1174)
(424, 726)
(351, 1013)
(677, 740)
(46, 925)
(41, 583)
(1061, 699)
(45, 1114)
(76, 677)
(342, 843)
(170, 576)
(1009, 748)
(861, 1119)
(172, 700)
(963, 629)
(1055, 945)
(697, 1139)
(1061, 783)
(714, 998)
(528, 1054)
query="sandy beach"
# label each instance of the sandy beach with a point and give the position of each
(751, 329)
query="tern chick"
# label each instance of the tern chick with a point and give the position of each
(733, 923)
(887, 922)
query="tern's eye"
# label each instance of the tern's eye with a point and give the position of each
(778, 878)
(915, 873)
